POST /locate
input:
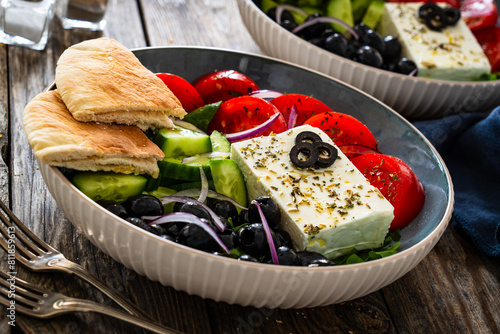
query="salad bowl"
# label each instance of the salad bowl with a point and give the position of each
(412, 97)
(265, 285)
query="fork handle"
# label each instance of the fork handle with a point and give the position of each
(82, 305)
(75, 269)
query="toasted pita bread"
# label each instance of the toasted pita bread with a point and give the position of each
(58, 139)
(102, 81)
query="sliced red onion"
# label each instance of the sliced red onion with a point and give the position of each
(174, 198)
(193, 192)
(204, 186)
(281, 8)
(413, 73)
(269, 236)
(185, 125)
(292, 120)
(185, 217)
(325, 19)
(214, 154)
(232, 137)
(265, 94)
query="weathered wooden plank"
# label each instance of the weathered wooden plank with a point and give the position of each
(214, 23)
(454, 289)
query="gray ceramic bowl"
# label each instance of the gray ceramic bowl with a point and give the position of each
(224, 279)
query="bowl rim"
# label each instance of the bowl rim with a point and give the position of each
(366, 67)
(435, 233)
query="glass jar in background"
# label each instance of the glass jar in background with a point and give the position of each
(84, 14)
(26, 22)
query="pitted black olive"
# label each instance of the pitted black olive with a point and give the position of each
(327, 154)
(307, 136)
(452, 15)
(304, 154)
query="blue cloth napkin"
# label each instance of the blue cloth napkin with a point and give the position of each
(470, 146)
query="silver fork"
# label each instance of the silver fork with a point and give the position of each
(37, 255)
(39, 303)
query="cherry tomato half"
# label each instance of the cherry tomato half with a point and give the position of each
(223, 85)
(489, 39)
(344, 129)
(246, 112)
(306, 106)
(479, 14)
(183, 90)
(397, 182)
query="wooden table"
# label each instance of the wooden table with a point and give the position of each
(454, 289)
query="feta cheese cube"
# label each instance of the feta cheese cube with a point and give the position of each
(328, 210)
(450, 54)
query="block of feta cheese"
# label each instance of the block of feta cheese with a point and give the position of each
(328, 210)
(450, 54)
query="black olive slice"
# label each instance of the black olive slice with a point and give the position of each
(436, 21)
(428, 9)
(452, 15)
(308, 136)
(304, 154)
(327, 154)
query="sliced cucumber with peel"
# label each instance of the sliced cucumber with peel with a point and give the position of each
(182, 142)
(228, 180)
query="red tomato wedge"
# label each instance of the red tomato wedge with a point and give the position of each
(223, 85)
(397, 182)
(353, 151)
(489, 39)
(306, 107)
(244, 113)
(183, 90)
(479, 14)
(344, 129)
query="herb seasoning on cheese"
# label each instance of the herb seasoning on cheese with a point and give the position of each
(329, 210)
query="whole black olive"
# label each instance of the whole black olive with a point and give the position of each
(229, 238)
(327, 154)
(143, 205)
(270, 209)
(282, 238)
(195, 236)
(248, 258)
(287, 256)
(242, 218)
(306, 257)
(392, 48)
(195, 209)
(115, 208)
(253, 240)
(304, 154)
(406, 66)
(338, 44)
(368, 56)
(225, 209)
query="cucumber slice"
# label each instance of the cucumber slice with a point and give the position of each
(109, 186)
(191, 185)
(175, 169)
(374, 13)
(219, 142)
(182, 142)
(202, 116)
(228, 180)
(340, 9)
(359, 8)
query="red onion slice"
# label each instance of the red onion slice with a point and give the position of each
(281, 8)
(265, 94)
(214, 154)
(186, 125)
(185, 217)
(204, 186)
(174, 198)
(269, 236)
(232, 137)
(292, 120)
(193, 192)
(325, 19)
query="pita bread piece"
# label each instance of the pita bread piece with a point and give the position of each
(59, 140)
(100, 80)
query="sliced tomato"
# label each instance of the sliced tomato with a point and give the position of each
(479, 14)
(453, 3)
(223, 85)
(353, 151)
(183, 90)
(397, 182)
(489, 39)
(244, 113)
(344, 129)
(306, 106)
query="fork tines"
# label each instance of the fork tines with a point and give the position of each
(13, 290)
